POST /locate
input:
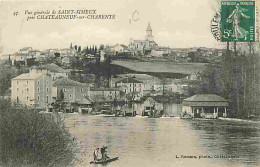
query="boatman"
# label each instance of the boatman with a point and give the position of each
(104, 153)
(95, 154)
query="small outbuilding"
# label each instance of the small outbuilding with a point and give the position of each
(204, 106)
(84, 105)
(151, 106)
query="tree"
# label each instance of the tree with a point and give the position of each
(107, 70)
(233, 79)
(7, 73)
(29, 138)
(59, 104)
(97, 71)
(79, 49)
(57, 55)
(31, 62)
(101, 47)
(192, 56)
(95, 49)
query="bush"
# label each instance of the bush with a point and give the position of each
(32, 139)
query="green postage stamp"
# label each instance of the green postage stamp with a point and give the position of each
(238, 21)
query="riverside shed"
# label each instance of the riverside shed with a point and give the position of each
(204, 106)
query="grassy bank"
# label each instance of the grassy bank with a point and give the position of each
(32, 139)
(166, 67)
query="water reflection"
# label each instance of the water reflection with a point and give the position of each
(230, 138)
(156, 142)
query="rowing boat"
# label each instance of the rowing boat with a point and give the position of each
(104, 161)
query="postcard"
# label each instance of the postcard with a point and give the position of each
(130, 83)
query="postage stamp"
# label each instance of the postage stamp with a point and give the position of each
(238, 21)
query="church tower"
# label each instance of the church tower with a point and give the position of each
(149, 35)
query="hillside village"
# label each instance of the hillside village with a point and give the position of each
(146, 49)
(49, 85)
(84, 80)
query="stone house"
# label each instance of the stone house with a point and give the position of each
(32, 89)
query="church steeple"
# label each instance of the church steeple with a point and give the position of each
(149, 28)
(149, 35)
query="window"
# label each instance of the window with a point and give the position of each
(64, 89)
(135, 84)
(27, 89)
(38, 98)
(84, 95)
(47, 89)
(38, 90)
(27, 82)
(47, 82)
(81, 90)
(17, 82)
(17, 89)
(38, 82)
(27, 98)
(70, 96)
(130, 85)
(47, 99)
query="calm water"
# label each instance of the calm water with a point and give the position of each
(156, 142)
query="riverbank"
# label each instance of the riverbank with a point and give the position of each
(162, 117)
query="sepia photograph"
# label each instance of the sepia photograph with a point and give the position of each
(129, 83)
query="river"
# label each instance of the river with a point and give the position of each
(167, 142)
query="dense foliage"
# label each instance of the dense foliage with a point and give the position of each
(32, 139)
(236, 78)
(7, 73)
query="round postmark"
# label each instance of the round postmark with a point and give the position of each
(215, 26)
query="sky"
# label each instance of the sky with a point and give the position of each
(175, 23)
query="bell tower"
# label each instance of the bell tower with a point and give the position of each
(149, 35)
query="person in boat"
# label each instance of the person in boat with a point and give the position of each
(104, 153)
(185, 114)
(95, 154)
